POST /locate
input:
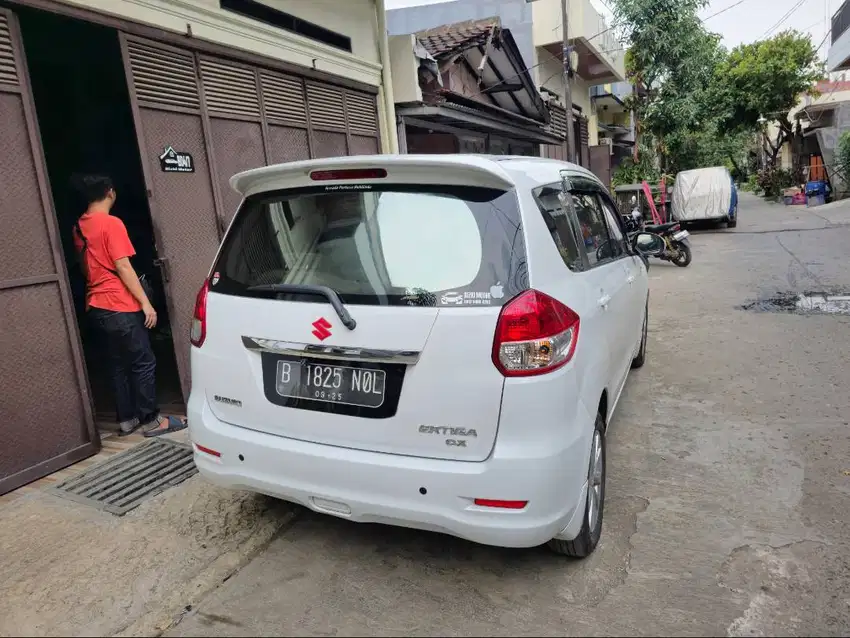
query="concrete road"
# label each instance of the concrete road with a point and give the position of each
(728, 497)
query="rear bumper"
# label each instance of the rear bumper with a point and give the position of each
(372, 487)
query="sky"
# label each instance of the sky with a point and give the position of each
(743, 21)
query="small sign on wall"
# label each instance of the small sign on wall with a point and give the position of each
(172, 161)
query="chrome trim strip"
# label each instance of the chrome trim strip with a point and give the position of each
(341, 353)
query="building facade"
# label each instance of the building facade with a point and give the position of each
(536, 29)
(600, 61)
(171, 98)
(464, 88)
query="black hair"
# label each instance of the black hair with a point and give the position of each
(88, 189)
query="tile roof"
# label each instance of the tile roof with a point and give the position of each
(452, 38)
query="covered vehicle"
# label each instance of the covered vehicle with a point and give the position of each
(705, 194)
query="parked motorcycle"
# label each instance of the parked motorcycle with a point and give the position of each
(677, 247)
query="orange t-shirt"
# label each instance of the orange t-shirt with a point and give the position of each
(106, 241)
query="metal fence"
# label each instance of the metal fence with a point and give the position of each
(840, 21)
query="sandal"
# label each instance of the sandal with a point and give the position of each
(164, 425)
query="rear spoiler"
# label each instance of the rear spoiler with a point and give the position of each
(451, 170)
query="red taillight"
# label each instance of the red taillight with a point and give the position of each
(207, 450)
(199, 318)
(505, 505)
(349, 173)
(535, 335)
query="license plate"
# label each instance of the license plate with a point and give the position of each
(362, 387)
(681, 234)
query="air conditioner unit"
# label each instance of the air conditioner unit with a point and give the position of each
(607, 141)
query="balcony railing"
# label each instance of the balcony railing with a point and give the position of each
(620, 90)
(840, 21)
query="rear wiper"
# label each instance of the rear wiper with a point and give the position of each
(317, 291)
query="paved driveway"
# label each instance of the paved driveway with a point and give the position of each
(728, 497)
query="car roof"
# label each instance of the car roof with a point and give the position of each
(492, 170)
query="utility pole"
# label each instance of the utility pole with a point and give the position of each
(569, 142)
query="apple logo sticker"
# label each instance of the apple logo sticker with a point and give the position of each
(497, 291)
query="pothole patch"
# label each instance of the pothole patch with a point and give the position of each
(807, 303)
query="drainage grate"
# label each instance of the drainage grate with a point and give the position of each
(122, 482)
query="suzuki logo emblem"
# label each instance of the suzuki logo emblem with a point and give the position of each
(322, 328)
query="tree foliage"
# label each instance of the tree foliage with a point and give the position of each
(765, 79)
(670, 59)
(699, 104)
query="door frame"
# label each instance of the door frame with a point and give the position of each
(60, 277)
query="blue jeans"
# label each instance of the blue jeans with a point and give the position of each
(132, 363)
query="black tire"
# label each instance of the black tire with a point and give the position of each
(683, 259)
(732, 223)
(587, 539)
(640, 359)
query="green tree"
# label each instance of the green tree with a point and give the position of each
(671, 59)
(765, 78)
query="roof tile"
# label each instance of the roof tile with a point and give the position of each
(452, 38)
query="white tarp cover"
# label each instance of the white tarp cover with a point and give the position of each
(702, 193)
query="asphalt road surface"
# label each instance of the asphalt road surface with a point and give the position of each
(728, 497)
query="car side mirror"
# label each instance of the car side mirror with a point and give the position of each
(648, 243)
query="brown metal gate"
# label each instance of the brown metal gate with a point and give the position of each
(46, 419)
(229, 116)
(167, 108)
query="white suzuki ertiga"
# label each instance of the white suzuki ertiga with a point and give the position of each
(435, 341)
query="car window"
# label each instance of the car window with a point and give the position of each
(594, 230)
(548, 200)
(400, 245)
(618, 240)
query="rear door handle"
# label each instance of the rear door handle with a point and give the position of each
(604, 300)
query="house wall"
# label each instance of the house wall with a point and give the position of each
(405, 69)
(353, 18)
(549, 74)
(585, 22)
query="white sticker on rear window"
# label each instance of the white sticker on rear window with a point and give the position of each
(469, 298)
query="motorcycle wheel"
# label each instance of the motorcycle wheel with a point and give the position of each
(683, 258)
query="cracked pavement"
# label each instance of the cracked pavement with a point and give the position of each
(728, 496)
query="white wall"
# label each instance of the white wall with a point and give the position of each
(353, 18)
(404, 69)
(584, 22)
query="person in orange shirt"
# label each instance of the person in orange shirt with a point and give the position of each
(119, 308)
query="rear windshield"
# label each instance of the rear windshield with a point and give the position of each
(394, 245)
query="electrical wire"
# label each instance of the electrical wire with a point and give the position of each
(717, 13)
(783, 19)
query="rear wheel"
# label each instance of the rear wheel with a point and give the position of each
(683, 258)
(591, 529)
(732, 223)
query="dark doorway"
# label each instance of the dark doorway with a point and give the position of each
(86, 125)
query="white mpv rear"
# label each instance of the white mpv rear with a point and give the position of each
(434, 341)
